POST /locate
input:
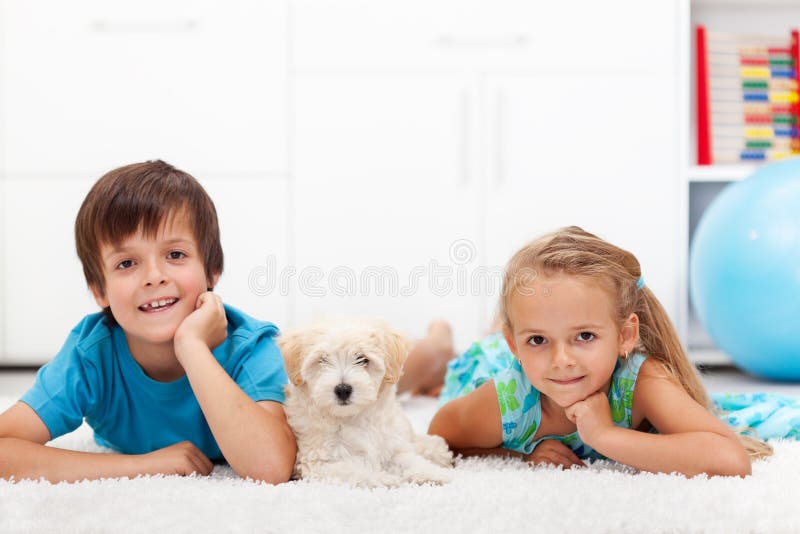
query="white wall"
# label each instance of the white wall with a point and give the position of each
(346, 144)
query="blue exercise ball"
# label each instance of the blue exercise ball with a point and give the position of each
(745, 271)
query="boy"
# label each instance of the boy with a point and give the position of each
(142, 373)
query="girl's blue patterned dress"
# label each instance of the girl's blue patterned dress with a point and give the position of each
(764, 415)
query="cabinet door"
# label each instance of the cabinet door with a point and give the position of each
(44, 284)
(3, 299)
(253, 221)
(387, 219)
(597, 151)
(44, 290)
(91, 85)
(594, 144)
(436, 36)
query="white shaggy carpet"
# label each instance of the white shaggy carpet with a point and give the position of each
(486, 495)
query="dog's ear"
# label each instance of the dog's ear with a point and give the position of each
(294, 346)
(396, 346)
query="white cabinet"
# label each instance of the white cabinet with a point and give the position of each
(3, 299)
(90, 85)
(476, 35)
(422, 123)
(44, 290)
(366, 157)
(562, 155)
(386, 199)
(253, 218)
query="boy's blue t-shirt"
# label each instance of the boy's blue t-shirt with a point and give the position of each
(94, 376)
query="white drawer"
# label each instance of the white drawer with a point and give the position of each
(489, 35)
(43, 289)
(90, 85)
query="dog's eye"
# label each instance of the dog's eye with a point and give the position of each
(323, 360)
(362, 360)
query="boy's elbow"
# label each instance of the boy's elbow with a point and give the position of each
(267, 476)
(277, 471)
(5, 464)
(277, 466)
(16, 460)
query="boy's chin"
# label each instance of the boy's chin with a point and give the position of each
(155, 336)
(159, 339)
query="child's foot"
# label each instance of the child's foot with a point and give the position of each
(440, 333)
(426, 365)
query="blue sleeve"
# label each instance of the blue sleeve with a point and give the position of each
(61, 394)
(261, 374)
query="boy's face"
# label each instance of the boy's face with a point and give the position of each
(152, 284)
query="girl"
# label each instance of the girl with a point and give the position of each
(588, 365)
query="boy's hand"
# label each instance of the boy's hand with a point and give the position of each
(180, 459)
(553, 452)
(207, 324)
(592, 416)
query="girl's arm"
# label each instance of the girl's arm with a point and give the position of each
(471, 426)
(691, 439)
(549, 452)
(23, 455)
(471, 422)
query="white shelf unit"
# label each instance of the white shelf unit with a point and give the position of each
(720, 173)
(768, 17)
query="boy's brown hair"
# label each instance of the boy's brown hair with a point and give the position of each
(139, 197)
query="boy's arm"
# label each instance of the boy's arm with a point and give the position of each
(255, 438)
(691, 439)
(23, 455)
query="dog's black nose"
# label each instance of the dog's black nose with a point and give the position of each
(343, 391)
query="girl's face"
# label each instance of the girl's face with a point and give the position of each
(152, 284)
(566, 338)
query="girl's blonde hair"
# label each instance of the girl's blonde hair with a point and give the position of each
(573, 251)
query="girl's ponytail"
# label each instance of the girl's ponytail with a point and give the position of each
(659, 340)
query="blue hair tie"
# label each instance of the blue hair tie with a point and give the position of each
(640, 282)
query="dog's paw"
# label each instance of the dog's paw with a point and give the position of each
(380, 480)
(433, 475)
(435, 449)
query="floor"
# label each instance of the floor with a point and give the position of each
(721, 379)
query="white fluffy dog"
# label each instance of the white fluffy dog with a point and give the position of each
(341, 405)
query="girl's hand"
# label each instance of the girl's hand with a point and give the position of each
(553, 452)
(180, 459)
(592, 416)
(207, 324)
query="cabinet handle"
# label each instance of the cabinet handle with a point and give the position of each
(465, 135)
(450, 40)
(497, 137)
(143, 27)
